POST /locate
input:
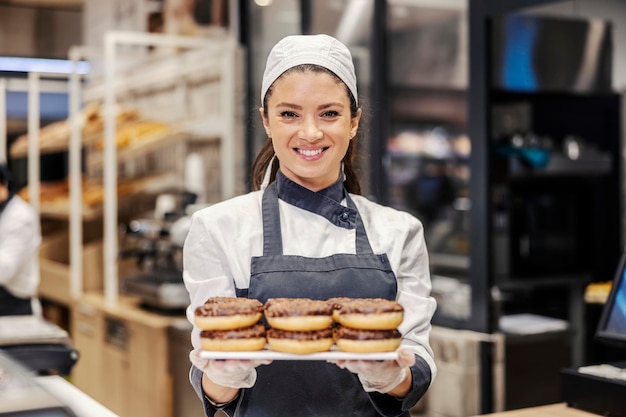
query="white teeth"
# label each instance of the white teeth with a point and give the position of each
(307, 152)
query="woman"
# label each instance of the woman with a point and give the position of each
(20, 237)
(306, 214)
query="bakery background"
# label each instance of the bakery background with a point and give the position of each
(166, 124)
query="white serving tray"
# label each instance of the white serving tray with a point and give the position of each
(318, 356)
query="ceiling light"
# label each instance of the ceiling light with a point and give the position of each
(43, 65)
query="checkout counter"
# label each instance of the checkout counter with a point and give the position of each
(38, 344)
(21, 394)
(24, 393)
(597, 389)
(139, 346)
(35, 355)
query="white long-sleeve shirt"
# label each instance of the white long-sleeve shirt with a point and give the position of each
(20, 238)
(224, 237)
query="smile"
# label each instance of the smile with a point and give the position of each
(310, 152)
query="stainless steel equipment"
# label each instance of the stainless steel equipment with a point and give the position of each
(158, 280)
(155, 242)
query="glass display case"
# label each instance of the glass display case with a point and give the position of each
(427, 149)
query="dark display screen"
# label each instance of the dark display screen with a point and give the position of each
(612, 327)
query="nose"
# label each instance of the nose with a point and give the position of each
(310, 131)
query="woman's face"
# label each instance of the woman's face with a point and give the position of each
(309, 121)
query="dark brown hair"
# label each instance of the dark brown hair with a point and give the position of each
(266, 153)
(6, 178)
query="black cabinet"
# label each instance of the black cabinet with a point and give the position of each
(545, 188)
(554, 185)
(553, 190)
(545, 165)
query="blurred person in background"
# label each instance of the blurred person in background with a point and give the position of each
(20, 238)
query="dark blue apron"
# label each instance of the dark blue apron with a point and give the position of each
(311, 388)
(11, 305)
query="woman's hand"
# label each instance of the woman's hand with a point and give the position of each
(381, 376)
(233, 373)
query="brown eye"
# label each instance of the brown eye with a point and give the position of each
(288, 114)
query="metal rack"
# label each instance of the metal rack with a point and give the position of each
(221, 63)
(198, 69)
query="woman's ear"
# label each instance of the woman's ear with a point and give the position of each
(354, 123)
(266, 124)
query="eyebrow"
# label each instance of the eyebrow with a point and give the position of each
(322, 107)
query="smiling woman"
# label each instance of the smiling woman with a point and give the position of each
(334, 68)
(310, 138)
(306, 233)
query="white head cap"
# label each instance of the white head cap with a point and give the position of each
(322, 50)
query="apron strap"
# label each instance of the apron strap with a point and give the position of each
(272, 237)
(362, 242)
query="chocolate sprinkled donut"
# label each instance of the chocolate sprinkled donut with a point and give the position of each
(251, 338)
(296, 335)
(227, 306)
(300, 342)
(298, 314)
(366, 341)
(370, 314)
(343, 332)
(256, 330)
(223, 313)
(287, 307)
(369, 306)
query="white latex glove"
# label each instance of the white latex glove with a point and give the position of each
(380, 376)
(233, 373)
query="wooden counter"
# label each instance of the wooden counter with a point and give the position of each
(128, 308)
(123, 360)
(552, 410)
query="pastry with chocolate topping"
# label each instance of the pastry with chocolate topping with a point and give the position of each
(224, 313)
(370, 314)
(298, 314)
(231, 340)
(366, 341)
(300, 342)
(335, 303)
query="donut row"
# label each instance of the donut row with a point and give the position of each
(299, 325)
(367, 325)
(231, 324)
